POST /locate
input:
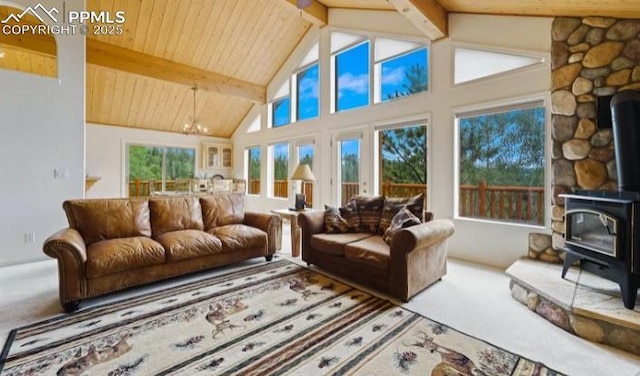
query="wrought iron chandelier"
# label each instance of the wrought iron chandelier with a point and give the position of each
(193, 126)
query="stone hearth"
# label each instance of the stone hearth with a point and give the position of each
(582, 304)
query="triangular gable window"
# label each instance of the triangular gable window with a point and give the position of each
(312, 56)
(386, 48)
(283, 91)
(255, 125)
(473, 64)
(341, 40)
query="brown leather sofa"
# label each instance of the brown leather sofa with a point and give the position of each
(415, 258)
(113, 244)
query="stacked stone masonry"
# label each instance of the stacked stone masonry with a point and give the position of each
(618, 336)
(590, 57)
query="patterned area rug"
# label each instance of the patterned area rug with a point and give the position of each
(275, 318)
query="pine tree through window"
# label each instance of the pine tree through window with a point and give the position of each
(501, 164)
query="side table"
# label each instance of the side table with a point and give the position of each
(296, 233)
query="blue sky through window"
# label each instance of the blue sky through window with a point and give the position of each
(305, 154)
(255, 153)
(393, 78)
(308, 93)
(352, 78)
(350, 147)
(281, 150)
(281, 112)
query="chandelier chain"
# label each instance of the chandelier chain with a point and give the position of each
(193, 126)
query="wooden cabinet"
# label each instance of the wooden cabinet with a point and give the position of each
(217, 156)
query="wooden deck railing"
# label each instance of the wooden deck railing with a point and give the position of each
(510, 203)
(349, 190)
(281, 188)
(254, 187)
(501, 203)
(143, 188)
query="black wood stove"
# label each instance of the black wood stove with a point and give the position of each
(600, 226)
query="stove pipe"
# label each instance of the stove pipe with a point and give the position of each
(625, 113)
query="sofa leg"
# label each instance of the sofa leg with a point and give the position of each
(71, 307)
(268, 257)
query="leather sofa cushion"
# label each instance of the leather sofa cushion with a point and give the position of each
(104, 219)
(237, 237)
(175, 213)
(117, 255)
(188, 244)
(372, 251)
(334, 243)
(220, 210)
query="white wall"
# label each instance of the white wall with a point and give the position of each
(41, 129)
(483, 242)
(106, 147)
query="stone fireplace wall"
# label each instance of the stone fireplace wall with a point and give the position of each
(590, 57)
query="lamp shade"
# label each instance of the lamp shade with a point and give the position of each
(303, 172)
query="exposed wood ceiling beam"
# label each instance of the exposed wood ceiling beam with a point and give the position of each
(317, 13)
(427, 15)
(122, 59)
(43, 44)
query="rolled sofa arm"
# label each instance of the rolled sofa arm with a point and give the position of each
(310, 223)
(422, 235)
(269, 223)
(69, 248)
(418, 257)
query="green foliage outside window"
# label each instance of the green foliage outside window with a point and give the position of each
(505, 149)
(404, 155)
(281, 167)
(254, 163)
(146, 162)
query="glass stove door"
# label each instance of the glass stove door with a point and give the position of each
(593, 230)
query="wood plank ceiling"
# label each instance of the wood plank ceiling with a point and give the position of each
(244, 40)
(229, 49)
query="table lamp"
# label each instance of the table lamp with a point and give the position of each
(304, 174)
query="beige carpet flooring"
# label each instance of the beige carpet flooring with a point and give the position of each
(471, 298)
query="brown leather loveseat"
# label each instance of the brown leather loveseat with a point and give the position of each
(112, 244)
(401, 262)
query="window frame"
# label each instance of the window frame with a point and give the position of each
(164, 147)
(377, 75)
(494, 107)
(544, 61)
(271, 158)
(248, 170)
(333, 87)
(420, 119)
(295, 101)
(296, 144)
(273, 111)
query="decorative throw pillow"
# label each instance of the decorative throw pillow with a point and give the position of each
(403, 219)
(392, 206)
(428, 216)
(369, 210)
(350, 213)
(334, 223)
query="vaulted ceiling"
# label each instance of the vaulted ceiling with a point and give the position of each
(230, 50)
